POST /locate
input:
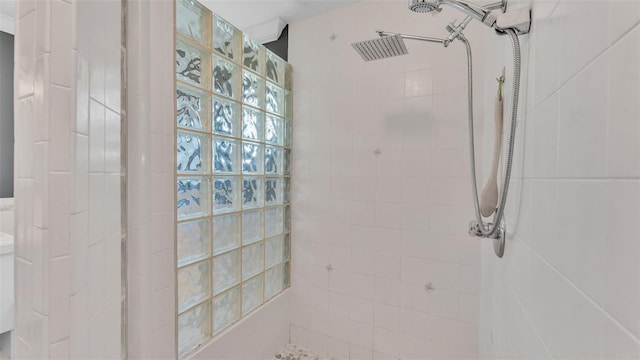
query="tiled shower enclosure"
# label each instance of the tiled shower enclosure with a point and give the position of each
(233, 174)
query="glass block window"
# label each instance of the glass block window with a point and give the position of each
(233, 174)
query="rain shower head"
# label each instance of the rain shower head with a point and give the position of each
(381, 48)
(390, 44)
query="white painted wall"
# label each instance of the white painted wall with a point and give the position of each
(569, 284)
(67, 180)
(391, 223)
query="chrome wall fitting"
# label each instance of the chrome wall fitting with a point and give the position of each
(517, 20)
(498, 236)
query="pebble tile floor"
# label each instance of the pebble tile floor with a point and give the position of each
(295, 352)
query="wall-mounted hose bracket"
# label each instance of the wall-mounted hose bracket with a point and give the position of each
(516, 20)
(498, 236)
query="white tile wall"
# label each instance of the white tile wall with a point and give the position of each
(387, 223)
(68, 229)
(258, 336)
(568, 286)
(150, 209)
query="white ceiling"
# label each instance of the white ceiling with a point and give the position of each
(247, 14)
(241, 13)
(7, 15)
(8, 7)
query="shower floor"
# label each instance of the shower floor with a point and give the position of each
(295, 352)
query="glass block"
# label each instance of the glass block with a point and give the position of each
(227, 39)
(288, 76)
(226, 233)
(251, 294)
(286, 248)
(273, 251)
(252, 124)
(193, 285)
(192, 64)
(194, 328)
(275, 68)
(272, 282)
(286, 275)
(252, 260)
(193, 198)
(226, 271)
(251, 227)
(193, 241)
(286, 161)
(273, 130)
(193, 20)
(193, 108)
(226, 194)
(252, 89)
(252, 158)
(288, 132)
(251, 192)
(226, 309)
(274, 99)
(288, 105)
(226, 78)
(273, 221)
(273, 191)
(253, 55)
(273, 160)
(226, 156)
(226, 117)
(192, 151)
(287, 191)
(287, 219)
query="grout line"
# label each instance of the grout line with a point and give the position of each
(554, 8)
(604, 180)
(526, 314)
(66, 338)
(562, 85)
(583, 294)
(60, 257)
(25, 15)
(59, 86)
(24, 97)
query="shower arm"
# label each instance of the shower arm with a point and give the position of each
(478, 12)
(444, 42)
(454, 30)
(482, 13)
(415, 37)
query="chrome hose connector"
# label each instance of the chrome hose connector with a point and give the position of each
(498, 236)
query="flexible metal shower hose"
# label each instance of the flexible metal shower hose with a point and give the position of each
(490, 230)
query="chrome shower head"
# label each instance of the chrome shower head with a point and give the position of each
(424, 6)
(381, 48)
(480, 13)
